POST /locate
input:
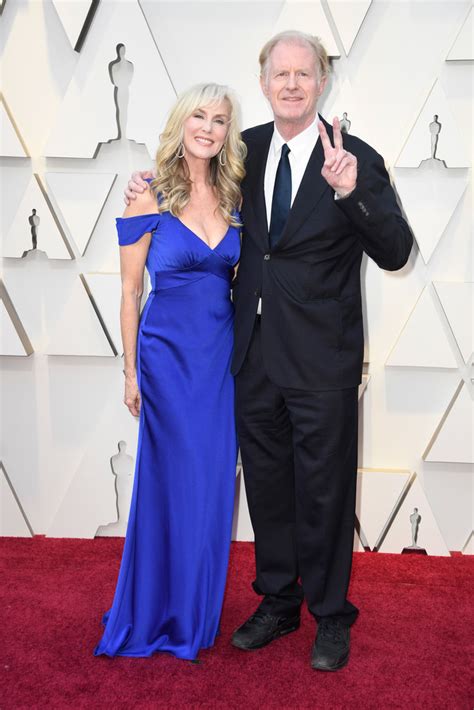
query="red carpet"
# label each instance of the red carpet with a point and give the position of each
(412, 646)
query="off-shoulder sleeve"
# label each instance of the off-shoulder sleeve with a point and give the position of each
(130, 229)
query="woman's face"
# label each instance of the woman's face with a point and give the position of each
(206, 129)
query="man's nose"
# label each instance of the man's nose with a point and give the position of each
(292, 81)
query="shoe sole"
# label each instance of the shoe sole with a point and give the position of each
(330, 669)
(276, 635)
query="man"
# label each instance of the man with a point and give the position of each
(311, 206)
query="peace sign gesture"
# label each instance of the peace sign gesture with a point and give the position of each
(340, 166)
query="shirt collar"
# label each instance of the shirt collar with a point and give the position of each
(301, 144)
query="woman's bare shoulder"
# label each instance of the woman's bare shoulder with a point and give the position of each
(144, 203)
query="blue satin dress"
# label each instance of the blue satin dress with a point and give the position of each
(173, 570)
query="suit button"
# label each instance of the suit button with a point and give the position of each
(267, 257)
(255, 293)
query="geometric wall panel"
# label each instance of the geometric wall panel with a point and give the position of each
(468, 547)
(463, 47)
(429, 196)
(106, 292)
(297, 15)
(90, 500)
(149, 95)
(457, 300)
(122, 466)
(34, 218)
(454, 441)
(422, 342)
(363, 385)
(13, 520)
(256, 21)
(348, 16)
(80, 198)
(357, 545)
(399, 534)
(78, 330)
(10, 341)
(11, 145)
(345, 100)
(241, 523)
(378, 492)
(73, 16)
(450, 145)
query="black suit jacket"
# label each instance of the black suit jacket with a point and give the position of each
(311, 326)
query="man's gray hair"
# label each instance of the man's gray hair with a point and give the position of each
(323, 66)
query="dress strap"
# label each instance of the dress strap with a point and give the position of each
(131, 229)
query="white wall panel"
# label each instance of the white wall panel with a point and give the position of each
(463, 47)
(80, 198)
(65, 414)
(348, 16)
(89, 97)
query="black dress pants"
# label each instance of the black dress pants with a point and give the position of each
(299, 454)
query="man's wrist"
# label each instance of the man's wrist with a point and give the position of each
(342, 194)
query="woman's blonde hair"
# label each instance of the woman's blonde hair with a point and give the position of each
(321, 58)
(172, 173)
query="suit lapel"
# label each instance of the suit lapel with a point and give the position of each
(311, 190)
(254, 207)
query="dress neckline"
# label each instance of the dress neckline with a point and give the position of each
(201, 239)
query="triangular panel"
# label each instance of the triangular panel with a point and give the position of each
(429, 197)
(450, 147)
(34, 216)
(78, 330)
(468, 547)
(13, 520)
(73, 16)
(454, 441)
(80, 197)
(348, 16)
(457, 300)
(378, 492)
(400, 532)
(306, 17)
(11, 144)
(91, 86)
(90, 499)
(422, 342)
(463, 47)
(106, 291)
(10, 341)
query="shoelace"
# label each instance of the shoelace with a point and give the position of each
(261, 617)
(330, 630)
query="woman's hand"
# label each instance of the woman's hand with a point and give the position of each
(132, 395)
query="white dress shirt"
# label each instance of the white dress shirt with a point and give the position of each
(301, 147)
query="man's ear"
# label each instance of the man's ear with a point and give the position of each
(263, 85)
(322, 85)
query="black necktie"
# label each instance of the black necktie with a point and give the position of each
(281, 201)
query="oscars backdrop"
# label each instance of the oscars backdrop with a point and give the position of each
(86, 87)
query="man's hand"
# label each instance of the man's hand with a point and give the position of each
(137, 184)
(340, 166)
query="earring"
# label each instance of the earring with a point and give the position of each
(180, 152)
(222, 156)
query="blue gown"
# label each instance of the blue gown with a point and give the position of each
(172, 576)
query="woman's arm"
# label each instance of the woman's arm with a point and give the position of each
(132, 267)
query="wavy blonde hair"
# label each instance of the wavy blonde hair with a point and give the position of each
(172, 173)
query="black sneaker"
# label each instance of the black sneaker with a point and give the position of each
(260, 629)
(331, 647)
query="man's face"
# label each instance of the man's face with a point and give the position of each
(292, 84)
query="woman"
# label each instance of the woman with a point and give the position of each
(185, 229)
